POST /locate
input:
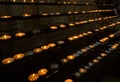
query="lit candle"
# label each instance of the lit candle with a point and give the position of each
(33, 77)
(20, 34)
(111, 35)
(18, 56)
(37, 50)
(71, 24)
(82, 70)
(5, 37)
(62, 25)
(45, 47)
(95, 60)
(7, 60)
(70, 57)
(52, 45)
(68, 80)
(103, 54)
(84, 50)
(26, 15)
(42, 72)
(64, 60)
(44, 14)
(5, 16)
(53, 27)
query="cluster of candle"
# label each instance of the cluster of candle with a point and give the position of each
(79, 36)
(80, 22)
(51, 45)
(59, 13)
(6, 36)
(64, 2)
(93, 62)
(77, 54)
(20, 34)
(35, 76)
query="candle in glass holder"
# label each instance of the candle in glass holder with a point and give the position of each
(45, 47)
(5, 37)
(70, 57)
(103, 54)
(52, 45)
(7, 60)
(37, 50)
(33, 77)
(42, 72)
(20, 34)
(64, 60)
(68, 80)
(53, 27)
(5, 17)
(82, 70)
(71, 24)
(62, 25)
(95, 60)
(26, 15)
(18, 56)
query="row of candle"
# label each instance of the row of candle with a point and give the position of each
(35, 76)
(51, 45)
(54, 27)
(92, 63)
(55, 3)
(56, 14)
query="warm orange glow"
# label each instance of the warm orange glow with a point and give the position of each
(103, 54)
(80, 35)
(70, 57)
(37, 50)
(42, 72)
(70, 38)
(53, 27)
(104, 39)
(5, 37)
(33, 77)
(91, 46)
(75, 37)
(71, 24)
(62, 25)
(89, 32)
(64, 60)
(95, 60)
(69, 12)
(18, 56)
(114, 46)
(111, 35)
(7, 60)
(84, 50)
(44, 14)
(26, 15)
(58, 13)
(68, 80)
(45, 47)
(20, 34)
(85, 34)
(82, 70)
(52, 45)
(76, 12)
(5, 17)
